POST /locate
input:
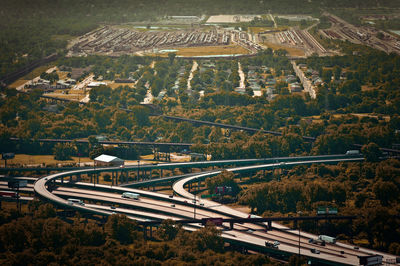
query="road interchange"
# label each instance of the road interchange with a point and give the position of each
(156, 206)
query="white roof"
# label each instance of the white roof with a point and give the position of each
(108, 158)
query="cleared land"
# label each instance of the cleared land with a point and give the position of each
(231, 18)
(17, 83)
(37, 71)
(114, 85)
(211, 50)
(291, 51)
(40, 159)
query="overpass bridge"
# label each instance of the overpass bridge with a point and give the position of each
(156, 207)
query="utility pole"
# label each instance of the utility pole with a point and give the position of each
(298, 228)
(194, 202)
(138, 164)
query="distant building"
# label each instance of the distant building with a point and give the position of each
(184, 17)
(108, 160)
(96, 84)
(124, 81)
(295, 87)
(240, 90)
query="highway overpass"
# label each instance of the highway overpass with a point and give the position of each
(156, 206)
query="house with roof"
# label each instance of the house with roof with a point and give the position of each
(108, 160)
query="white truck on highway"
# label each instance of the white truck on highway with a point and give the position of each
(130, 195)
(327, 239)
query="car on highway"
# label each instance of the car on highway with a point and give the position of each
(316, 241)
(271, 244)
(315, 251)
(75, 201)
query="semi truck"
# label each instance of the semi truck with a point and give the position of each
(327, 239)
(130, 195)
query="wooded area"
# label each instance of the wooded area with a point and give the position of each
(40, 238)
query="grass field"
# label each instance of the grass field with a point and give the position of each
(37, 71)
(73, 95)
(40, 159)
(291, 51)
(17, 83)
(62, 74)
(206, 50)
(116, 85)
(211, 50)
(64, 37)
(261, 29)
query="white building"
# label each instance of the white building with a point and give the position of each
(108, 160)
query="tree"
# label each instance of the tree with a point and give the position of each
(120, 228)
(350, 86)
(208, 237)
(225, 179)
(336, 72)
(386, 192)
(168, 230)
(96, 151)
(63, 151)
(249, 91)
(141, 115)
(171, 57)
(380, 35)
(371, 152)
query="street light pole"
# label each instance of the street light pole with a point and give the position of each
(138, 170)
(194, 202)
(298, 228)
(94, 173)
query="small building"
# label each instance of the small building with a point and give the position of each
(240, 90)
(124, 80)
(94, 84)
(295, 87)
(108, 160)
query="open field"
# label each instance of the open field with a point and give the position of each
(17, 83)
(154, 27)
(37, 71)
(262, 29)
(231, 18)
(64, 37)
(113, 85)
(75, 95)
(291, 51)
(40, 159)
(211, 50)
(62, 75)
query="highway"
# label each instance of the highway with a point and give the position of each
(156, 206)
(329, 252)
